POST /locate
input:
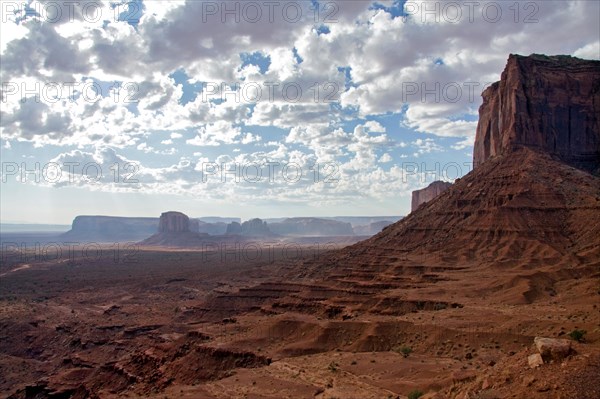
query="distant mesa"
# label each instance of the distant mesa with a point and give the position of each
(547, 103)
(428, 193)
(371, 228)
(110, 228)
(113, 229)
(311, 227)
(214, 229)
(250, 228)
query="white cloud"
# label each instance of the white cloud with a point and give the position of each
(385, 158)
(426, 146)
(589, 51)
(215, 134)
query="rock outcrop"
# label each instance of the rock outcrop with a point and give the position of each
(546, 103)
(428, 193)
(173, 222)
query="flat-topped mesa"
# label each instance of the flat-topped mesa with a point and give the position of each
(548, 103)
(428, 193)
(173, 222)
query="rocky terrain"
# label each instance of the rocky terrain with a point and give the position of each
(428, 193)
(489, 290)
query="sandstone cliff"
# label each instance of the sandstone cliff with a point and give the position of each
(546, 103)
(428, 193)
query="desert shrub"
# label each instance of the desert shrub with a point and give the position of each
(333, 366)
(405, 351)
(416, 394)
(577, 335)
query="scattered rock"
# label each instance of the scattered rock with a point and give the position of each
(486, 383)
(535, 360)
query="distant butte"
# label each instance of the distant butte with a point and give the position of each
(173, 222)
(174, 231)
(428, 193)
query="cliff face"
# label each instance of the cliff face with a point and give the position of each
(546, 103)
(173, 222)
(428, 193)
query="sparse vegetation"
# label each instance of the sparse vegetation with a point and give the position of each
(416, 394)
(577, 335)
(403, 350)
(333, 367)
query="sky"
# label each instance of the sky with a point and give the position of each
(253, 108)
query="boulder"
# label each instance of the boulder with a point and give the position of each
(552, 348)
(535, 360)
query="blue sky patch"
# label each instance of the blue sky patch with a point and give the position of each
(258, 59)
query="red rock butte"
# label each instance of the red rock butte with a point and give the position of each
(550, 103)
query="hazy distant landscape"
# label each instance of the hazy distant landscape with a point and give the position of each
(300, 199)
